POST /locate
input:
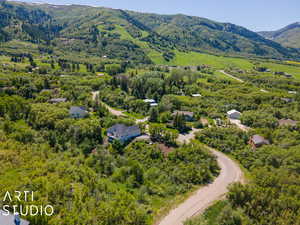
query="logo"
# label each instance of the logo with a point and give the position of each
(22, 203)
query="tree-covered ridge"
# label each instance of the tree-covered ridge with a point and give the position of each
(288, 36)
(135, 36)
(34, 25)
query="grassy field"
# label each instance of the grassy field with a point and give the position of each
(219, 62)
(154, 55)
(294, 70)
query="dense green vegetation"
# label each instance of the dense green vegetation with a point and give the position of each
(69, 163)
(110, 61)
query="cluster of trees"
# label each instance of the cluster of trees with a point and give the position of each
(159, 133)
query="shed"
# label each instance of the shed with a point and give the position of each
(257, 141)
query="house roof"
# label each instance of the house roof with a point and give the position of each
(58, 100)
(9, 220)
(287, 122)
(287, 100)
(77, 110)
(292, 92)
(121, 130)
(185, 113)
(149, 100)
(257, 140)
(232, 112)
(196, 95)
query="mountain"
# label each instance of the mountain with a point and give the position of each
(288, 36)
(129, 35)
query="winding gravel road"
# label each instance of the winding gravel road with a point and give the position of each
(205, 196)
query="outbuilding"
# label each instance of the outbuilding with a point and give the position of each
(257, 141)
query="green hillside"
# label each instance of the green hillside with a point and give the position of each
(117, 34)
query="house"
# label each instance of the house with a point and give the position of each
(78, 112)
(287, 100)
(123, 133)
(196, 95)
(288, 75)
(279, 73)
(153, 104)
(257, 141)
(292, 92)
(287, 122)
(188, 116)
(9, 219)
(149, 101)
(57, 100)
(234, 114)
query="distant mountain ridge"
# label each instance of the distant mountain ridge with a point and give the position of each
(129, 35)
(288, 36)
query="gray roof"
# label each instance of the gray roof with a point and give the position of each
(58, 100)
(288, 100)
(77, 110)
(120, 130)
(258, 140)
(9, 220)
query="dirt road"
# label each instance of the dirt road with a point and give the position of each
(233, 77)
(111, 110)
(186, 138)
(205, 196)
(239, 125)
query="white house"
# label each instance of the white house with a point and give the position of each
(149, 101)
(234, 114)
(196, 95)
(292, 92)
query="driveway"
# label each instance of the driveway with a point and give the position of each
(206, 196)
(233, 77)
(186, 138)
(239, 125)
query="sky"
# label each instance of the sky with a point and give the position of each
(256, 15)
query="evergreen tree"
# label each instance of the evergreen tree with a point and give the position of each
(154, 115)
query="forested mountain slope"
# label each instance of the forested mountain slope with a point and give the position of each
(130, 35)
(288, 36)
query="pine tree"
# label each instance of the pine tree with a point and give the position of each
(154, 115)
